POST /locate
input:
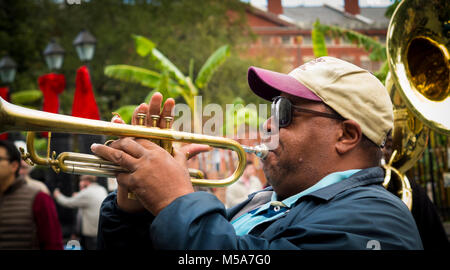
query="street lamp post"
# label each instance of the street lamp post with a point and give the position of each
(7, 70)
(85, 45)
(54, 55)
(7, 75)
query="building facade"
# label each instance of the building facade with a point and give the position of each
(285, 32)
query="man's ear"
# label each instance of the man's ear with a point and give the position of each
(350, 136)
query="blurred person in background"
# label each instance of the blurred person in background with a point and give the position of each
(247, 184)
(25, 170)
(28, 217)
(88, 202)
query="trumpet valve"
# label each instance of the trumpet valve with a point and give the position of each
(155, 120)
(166, 144)
(168, 120)
(141, 119)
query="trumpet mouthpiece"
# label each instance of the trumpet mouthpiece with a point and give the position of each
(260, 151)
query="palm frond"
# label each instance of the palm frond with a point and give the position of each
(26, 97)
(166, 63)
(126, 73)
(318, 40)
(126, 112)
(211, 65)
(144, 46)
(377, 50)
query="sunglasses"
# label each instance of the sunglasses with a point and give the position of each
(282, 110)
(4, 158)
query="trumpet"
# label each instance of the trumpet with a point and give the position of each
(17, 118)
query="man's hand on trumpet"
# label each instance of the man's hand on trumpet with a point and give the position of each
(154, 175)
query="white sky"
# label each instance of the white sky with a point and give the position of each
(362, 3)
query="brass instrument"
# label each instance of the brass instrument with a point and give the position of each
(418, 83)
(16, 118)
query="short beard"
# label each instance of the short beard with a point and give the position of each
(277, 174)
(290, 179)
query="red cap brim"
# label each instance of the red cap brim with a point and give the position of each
(269, 84)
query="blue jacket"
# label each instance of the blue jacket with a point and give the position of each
(356, 213)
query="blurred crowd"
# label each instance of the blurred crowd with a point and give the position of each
(39, 211)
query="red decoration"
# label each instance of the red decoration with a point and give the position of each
(51, 86)
(4, 93)
(84, 104)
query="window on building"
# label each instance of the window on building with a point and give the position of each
(348, 58)
(306, 40)
(372, 66)
(365, 62)
(347, 42)
(286, 40)
(307, 58)
(266, 39)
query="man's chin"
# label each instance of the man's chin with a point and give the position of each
(271, 174)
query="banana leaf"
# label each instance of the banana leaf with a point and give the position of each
(191, 68)
(377, 50)
(211, 65)
(318, 40)
(241, 115)
(26, 97)
(381, 74)
(165, 87)
(144, 46)
(166, 63)
(126, 112)
(238, 100)
(142, 76)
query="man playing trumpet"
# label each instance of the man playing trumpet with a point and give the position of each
(326, 193)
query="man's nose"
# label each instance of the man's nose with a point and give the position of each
(267, 126)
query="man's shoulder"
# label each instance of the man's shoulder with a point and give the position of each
(361, 195)
(364, 190)
(21, 186)
(371, 196)
(367, 211)
(37, 184)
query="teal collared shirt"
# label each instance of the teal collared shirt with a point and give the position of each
(274, 209)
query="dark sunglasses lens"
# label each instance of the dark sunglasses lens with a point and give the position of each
(281, 110)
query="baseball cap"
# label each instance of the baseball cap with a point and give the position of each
(351, 91)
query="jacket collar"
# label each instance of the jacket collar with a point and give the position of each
(364, 177)
(18, 182)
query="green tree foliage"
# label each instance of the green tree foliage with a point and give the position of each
(242, 116)
(187, 31)
(377, 50)
(27, 98)
(171, 82)
(318, 39)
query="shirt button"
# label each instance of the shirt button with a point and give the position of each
(276, 208)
